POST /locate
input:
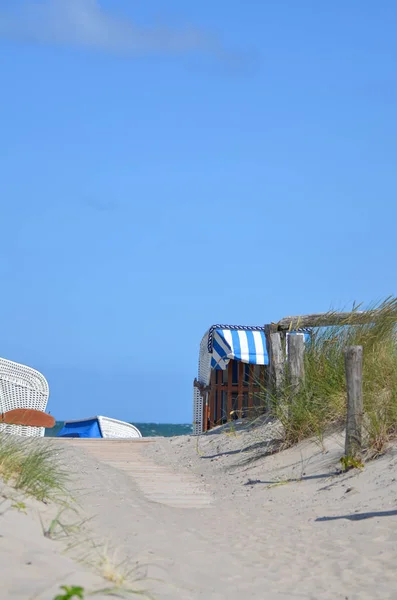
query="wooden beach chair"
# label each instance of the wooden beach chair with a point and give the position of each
(22, 387)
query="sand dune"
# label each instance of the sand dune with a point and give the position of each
(219, 520)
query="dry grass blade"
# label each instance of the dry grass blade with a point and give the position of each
(321, 402)
(31, 467)
(125, 577)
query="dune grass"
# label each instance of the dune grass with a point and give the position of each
(31, 467)
(320, 403)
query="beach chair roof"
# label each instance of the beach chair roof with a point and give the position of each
(244, 343)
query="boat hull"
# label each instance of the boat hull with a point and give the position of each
(99, 427)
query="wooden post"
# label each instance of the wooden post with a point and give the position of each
(354, 384)
(276, 361)
(296, 365)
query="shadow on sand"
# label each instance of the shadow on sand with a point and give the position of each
(293, 479)
(360, 516)
(256, 446)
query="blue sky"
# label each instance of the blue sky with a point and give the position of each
(167, 165)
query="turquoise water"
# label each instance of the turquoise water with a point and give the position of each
(146, 429)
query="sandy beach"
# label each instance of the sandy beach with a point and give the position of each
(214, 518)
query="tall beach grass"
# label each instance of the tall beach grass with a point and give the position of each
(30, 466)
(320, 403)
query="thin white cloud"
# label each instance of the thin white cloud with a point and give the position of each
(86, 24)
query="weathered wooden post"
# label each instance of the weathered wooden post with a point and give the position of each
(354, 385)
(276, 361)
(296, 361)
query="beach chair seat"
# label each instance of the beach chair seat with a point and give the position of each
(21, 387)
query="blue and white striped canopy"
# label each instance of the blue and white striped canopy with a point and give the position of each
(246, 344)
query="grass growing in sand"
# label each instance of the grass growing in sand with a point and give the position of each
(33, 468)
(321, 401)
(123, 578)
(69, 592)
(30, 467)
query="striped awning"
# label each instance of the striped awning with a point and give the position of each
(246, 344)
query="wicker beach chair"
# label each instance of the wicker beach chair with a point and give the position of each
(113, 428)
(21, 387)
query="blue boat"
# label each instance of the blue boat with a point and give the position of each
(99, 427)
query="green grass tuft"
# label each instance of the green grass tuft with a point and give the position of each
(69, 592)
(320, 403)
(31, 467)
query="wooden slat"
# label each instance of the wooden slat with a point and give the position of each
(251, 387)
(27, 417)
(212, 398)
(240, 388)
(219, 389)
(330, 319)
(229, 389)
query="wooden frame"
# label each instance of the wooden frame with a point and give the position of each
(212, 415)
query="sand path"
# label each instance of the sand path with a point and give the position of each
(212, 526)
(156, 482)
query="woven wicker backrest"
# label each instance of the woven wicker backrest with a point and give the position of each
(112, 428)
(21, 387)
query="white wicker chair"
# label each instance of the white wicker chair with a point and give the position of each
(22, 387)
(113, 429)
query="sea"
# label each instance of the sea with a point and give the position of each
(146, 429)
